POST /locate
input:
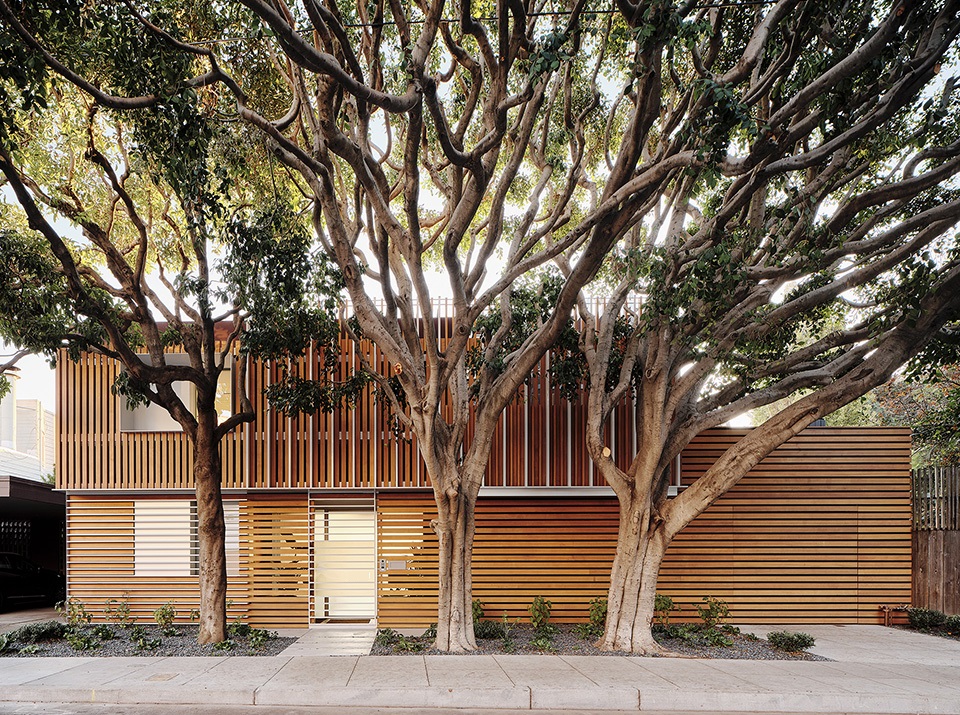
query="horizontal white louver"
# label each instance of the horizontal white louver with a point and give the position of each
(163, 543)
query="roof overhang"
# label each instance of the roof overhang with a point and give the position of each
(25, 498)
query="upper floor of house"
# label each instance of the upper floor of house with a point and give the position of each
(539, 444)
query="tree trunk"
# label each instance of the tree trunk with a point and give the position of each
(213, 561)
(633, 581)
(455, 527)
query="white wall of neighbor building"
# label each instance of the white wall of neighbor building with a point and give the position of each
(27, 436)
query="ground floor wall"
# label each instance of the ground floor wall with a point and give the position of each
(819, 532)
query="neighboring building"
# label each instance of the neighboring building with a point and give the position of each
(27, 437)
(328, 516)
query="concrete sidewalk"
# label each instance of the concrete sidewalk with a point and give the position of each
(876, 670)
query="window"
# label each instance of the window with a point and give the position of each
(166, 537)
(154, 418)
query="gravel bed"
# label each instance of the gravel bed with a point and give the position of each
(181, 642)
(567, 642)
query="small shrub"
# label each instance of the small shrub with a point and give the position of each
(540, 612)
(5, 642)
(714, 612)
(29, 649)
(118, 612)
(194, 615)
(137, 633)
(386, 637)
(239, 629)
(598, 620)
(544, 643)
(431, 631)
(80, 640)
(952, 625)
(144, 643)
(223, 646)
(33, 632)
(165, 616)
(103, 632)
(73, 612)
(716, 637)
(663, 606)
(925, 619)
(409, 645)
(477, 608)
(487, 630)
(257, 637)
(506, 628)
(792, 642)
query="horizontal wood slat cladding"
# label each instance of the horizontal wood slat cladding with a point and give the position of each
(271, 590)
(819, 532)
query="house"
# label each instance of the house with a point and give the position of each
(27, 436)
(328, 516)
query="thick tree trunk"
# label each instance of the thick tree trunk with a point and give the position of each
(633, 582)
(454, 527)
(213, 561)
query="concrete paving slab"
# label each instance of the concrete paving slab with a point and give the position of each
(158, 672)
(95, 672)
(481, 671)
(309, 672)
(542, 671)
(835, 678)
(767, 676)
(390, 671)
(689, 673)
(18, 671)
(616, 672)
(247, 671)
(746, 701)
(392, 697)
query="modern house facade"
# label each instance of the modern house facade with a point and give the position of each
(328, 515)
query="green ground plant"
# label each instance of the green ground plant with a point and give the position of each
(791, 642)
(117, 611)
(165, 615)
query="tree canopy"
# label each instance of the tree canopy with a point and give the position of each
(764, 191)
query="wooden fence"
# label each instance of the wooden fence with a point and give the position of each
(936, 538)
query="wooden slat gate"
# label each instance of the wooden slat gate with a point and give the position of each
(936, 538)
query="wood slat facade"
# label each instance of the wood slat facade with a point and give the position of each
(818, 532)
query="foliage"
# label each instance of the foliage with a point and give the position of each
(118, 612)
(543, 642)
(34, 632)
(952, 625)
(74, 612)
(925, 619)
(223, 646)
(258, 637)
(165, 615)
(540, 616)
(714, 612)
(5, 641)
(386, 637)
(484, 629)
(593, 628)
(82, 640)
(103, 632)
(791, 642)
(663, 606)
(410, 645)
(506, 629)
(431, 632)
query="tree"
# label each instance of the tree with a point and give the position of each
(811, 254)
(492, 141)
(134, 237)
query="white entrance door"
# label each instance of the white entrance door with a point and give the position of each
(345, 563)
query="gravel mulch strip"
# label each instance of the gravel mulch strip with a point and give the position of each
(940, 632)
(182, 642)
(567, 642)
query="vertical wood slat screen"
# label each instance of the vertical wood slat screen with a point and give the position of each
(818, 532)
(539, 441)
(936, 498)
